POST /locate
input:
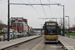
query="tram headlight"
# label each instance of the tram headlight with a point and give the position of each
(57, 35)
(44, 35)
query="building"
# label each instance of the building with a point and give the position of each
(72, 29)
(19, 23)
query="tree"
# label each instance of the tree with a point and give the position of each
(65, 23)
(1, 25)
(74, 25)
(31, 30)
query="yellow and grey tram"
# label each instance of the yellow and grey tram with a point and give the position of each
(50, 31)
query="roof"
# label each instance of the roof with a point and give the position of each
(50, 21)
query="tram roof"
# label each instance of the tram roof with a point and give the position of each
(51, 21)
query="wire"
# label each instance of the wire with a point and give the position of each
(50, 8)
(34, 9)
(43, 8)
(22, 1)
(35, 1)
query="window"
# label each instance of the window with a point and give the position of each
(17, 24)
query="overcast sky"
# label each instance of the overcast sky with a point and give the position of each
(29, 13)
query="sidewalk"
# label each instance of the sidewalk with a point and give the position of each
(69, 43)
(70, 36)
(5, 44)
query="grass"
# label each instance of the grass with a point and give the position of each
(2, 34)
(72, 34)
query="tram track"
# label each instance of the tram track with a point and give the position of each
(53, 46)
(37, 44)
(26, 45)
(48, 46)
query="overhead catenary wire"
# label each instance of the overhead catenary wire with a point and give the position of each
(50, 8)
(35, 1)
(43, 8)
(34, 8)
(22, 1)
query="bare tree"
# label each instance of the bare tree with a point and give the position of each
(74, 25)
(65, 23)
(1, 25)
(31, 30)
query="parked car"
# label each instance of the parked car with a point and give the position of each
(20, 35)
(10, 36)
(25, 34)
(6, 36)
(1, 38)
(15, 35)
(2, 34)
(33, 34)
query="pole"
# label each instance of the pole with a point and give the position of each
(68, 26)
(56, 19)
(16, 29)
(8, 20)
(63, 19)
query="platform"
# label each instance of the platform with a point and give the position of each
(68, 43)
(5, 44)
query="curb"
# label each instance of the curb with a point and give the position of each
(63, 46)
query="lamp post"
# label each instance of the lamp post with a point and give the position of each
(68, 25)
(42, 28)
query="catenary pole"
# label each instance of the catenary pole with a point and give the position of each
(8, 19)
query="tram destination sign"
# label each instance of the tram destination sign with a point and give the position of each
(50, 23)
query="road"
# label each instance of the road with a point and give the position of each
(37, 44)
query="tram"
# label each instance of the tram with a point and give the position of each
(50, 31)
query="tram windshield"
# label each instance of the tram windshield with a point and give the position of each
(51, 30)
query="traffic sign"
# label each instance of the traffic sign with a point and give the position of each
(16, 19)
(61, 24)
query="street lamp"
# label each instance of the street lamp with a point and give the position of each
(68, 25)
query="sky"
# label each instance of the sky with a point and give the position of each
(34, 13)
